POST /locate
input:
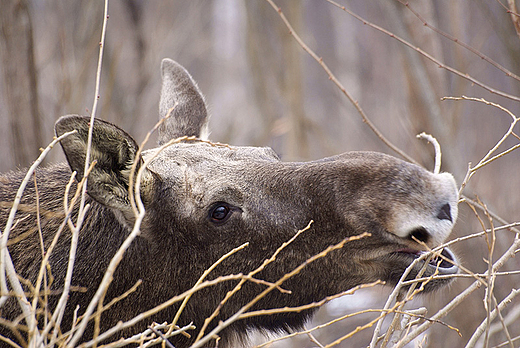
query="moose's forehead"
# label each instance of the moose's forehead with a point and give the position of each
(207, 155)
(360, 166)
(365, 171)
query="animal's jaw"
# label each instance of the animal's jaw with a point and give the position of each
(426, 265)
(442, 262)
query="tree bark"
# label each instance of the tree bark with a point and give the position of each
(20, 78)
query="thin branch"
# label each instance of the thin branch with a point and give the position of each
(94, 104)
(485, 323)
(307, 306)
(251, 274)
(397, 289)
(245, 308)
(438, 152)
(340, 86)
(204, 275)
(123, 325)
(510, 318)
(82, 210)
(503, 344)
(314, 340)
(6, 263)
(145, 340)
(488, 157)
(60, 307)
(427, 55)
(163, 338)
(502, 324)
(460, 43)
(514, 15)
(318, 327)
(510, 252)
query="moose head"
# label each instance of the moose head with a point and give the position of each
(203, 199)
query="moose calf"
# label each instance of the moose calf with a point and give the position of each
(201, 201)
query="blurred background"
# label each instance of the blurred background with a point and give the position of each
(263, 89)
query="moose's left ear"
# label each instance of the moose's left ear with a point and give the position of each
(112, 148)
(179, 91)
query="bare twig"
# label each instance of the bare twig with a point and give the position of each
(60, 307)
(485, 323)
(245, 308)
(509, 253)
(314, 340)
(457, 41)
(331, 322)
(307, 306)
(145, 340)
(502, 323)
(203, 276)
(427, 55)
(488, 158)
(6, 264)
(164, 339)
(438, 152)
(511, 317)
(397, 289)
(514, 15)
(94, 104)
(251, 274)
(131, 178)
(122, 325)
(491, 241)
(82, 210)
(339, 85)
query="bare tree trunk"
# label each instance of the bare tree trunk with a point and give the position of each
(19, 73)
(135, 11)
(292, 88)
(425, 83)
(261, 56)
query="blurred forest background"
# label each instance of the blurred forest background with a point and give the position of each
(263, 89)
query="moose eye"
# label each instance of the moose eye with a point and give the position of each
(220, 213)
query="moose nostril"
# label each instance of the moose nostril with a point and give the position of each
(420, 234)
(445, 213)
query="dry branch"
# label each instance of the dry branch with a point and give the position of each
(428, 56)
(340, 86)
(457, 41)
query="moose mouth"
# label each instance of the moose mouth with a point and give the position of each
(445, 263)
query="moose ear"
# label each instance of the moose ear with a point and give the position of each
(179, 91)
(112, 148)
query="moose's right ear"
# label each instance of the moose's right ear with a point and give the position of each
(179, 91)
(112, 148)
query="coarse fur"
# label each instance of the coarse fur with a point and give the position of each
(201, 201)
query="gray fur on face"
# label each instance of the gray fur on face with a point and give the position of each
(203, 199)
